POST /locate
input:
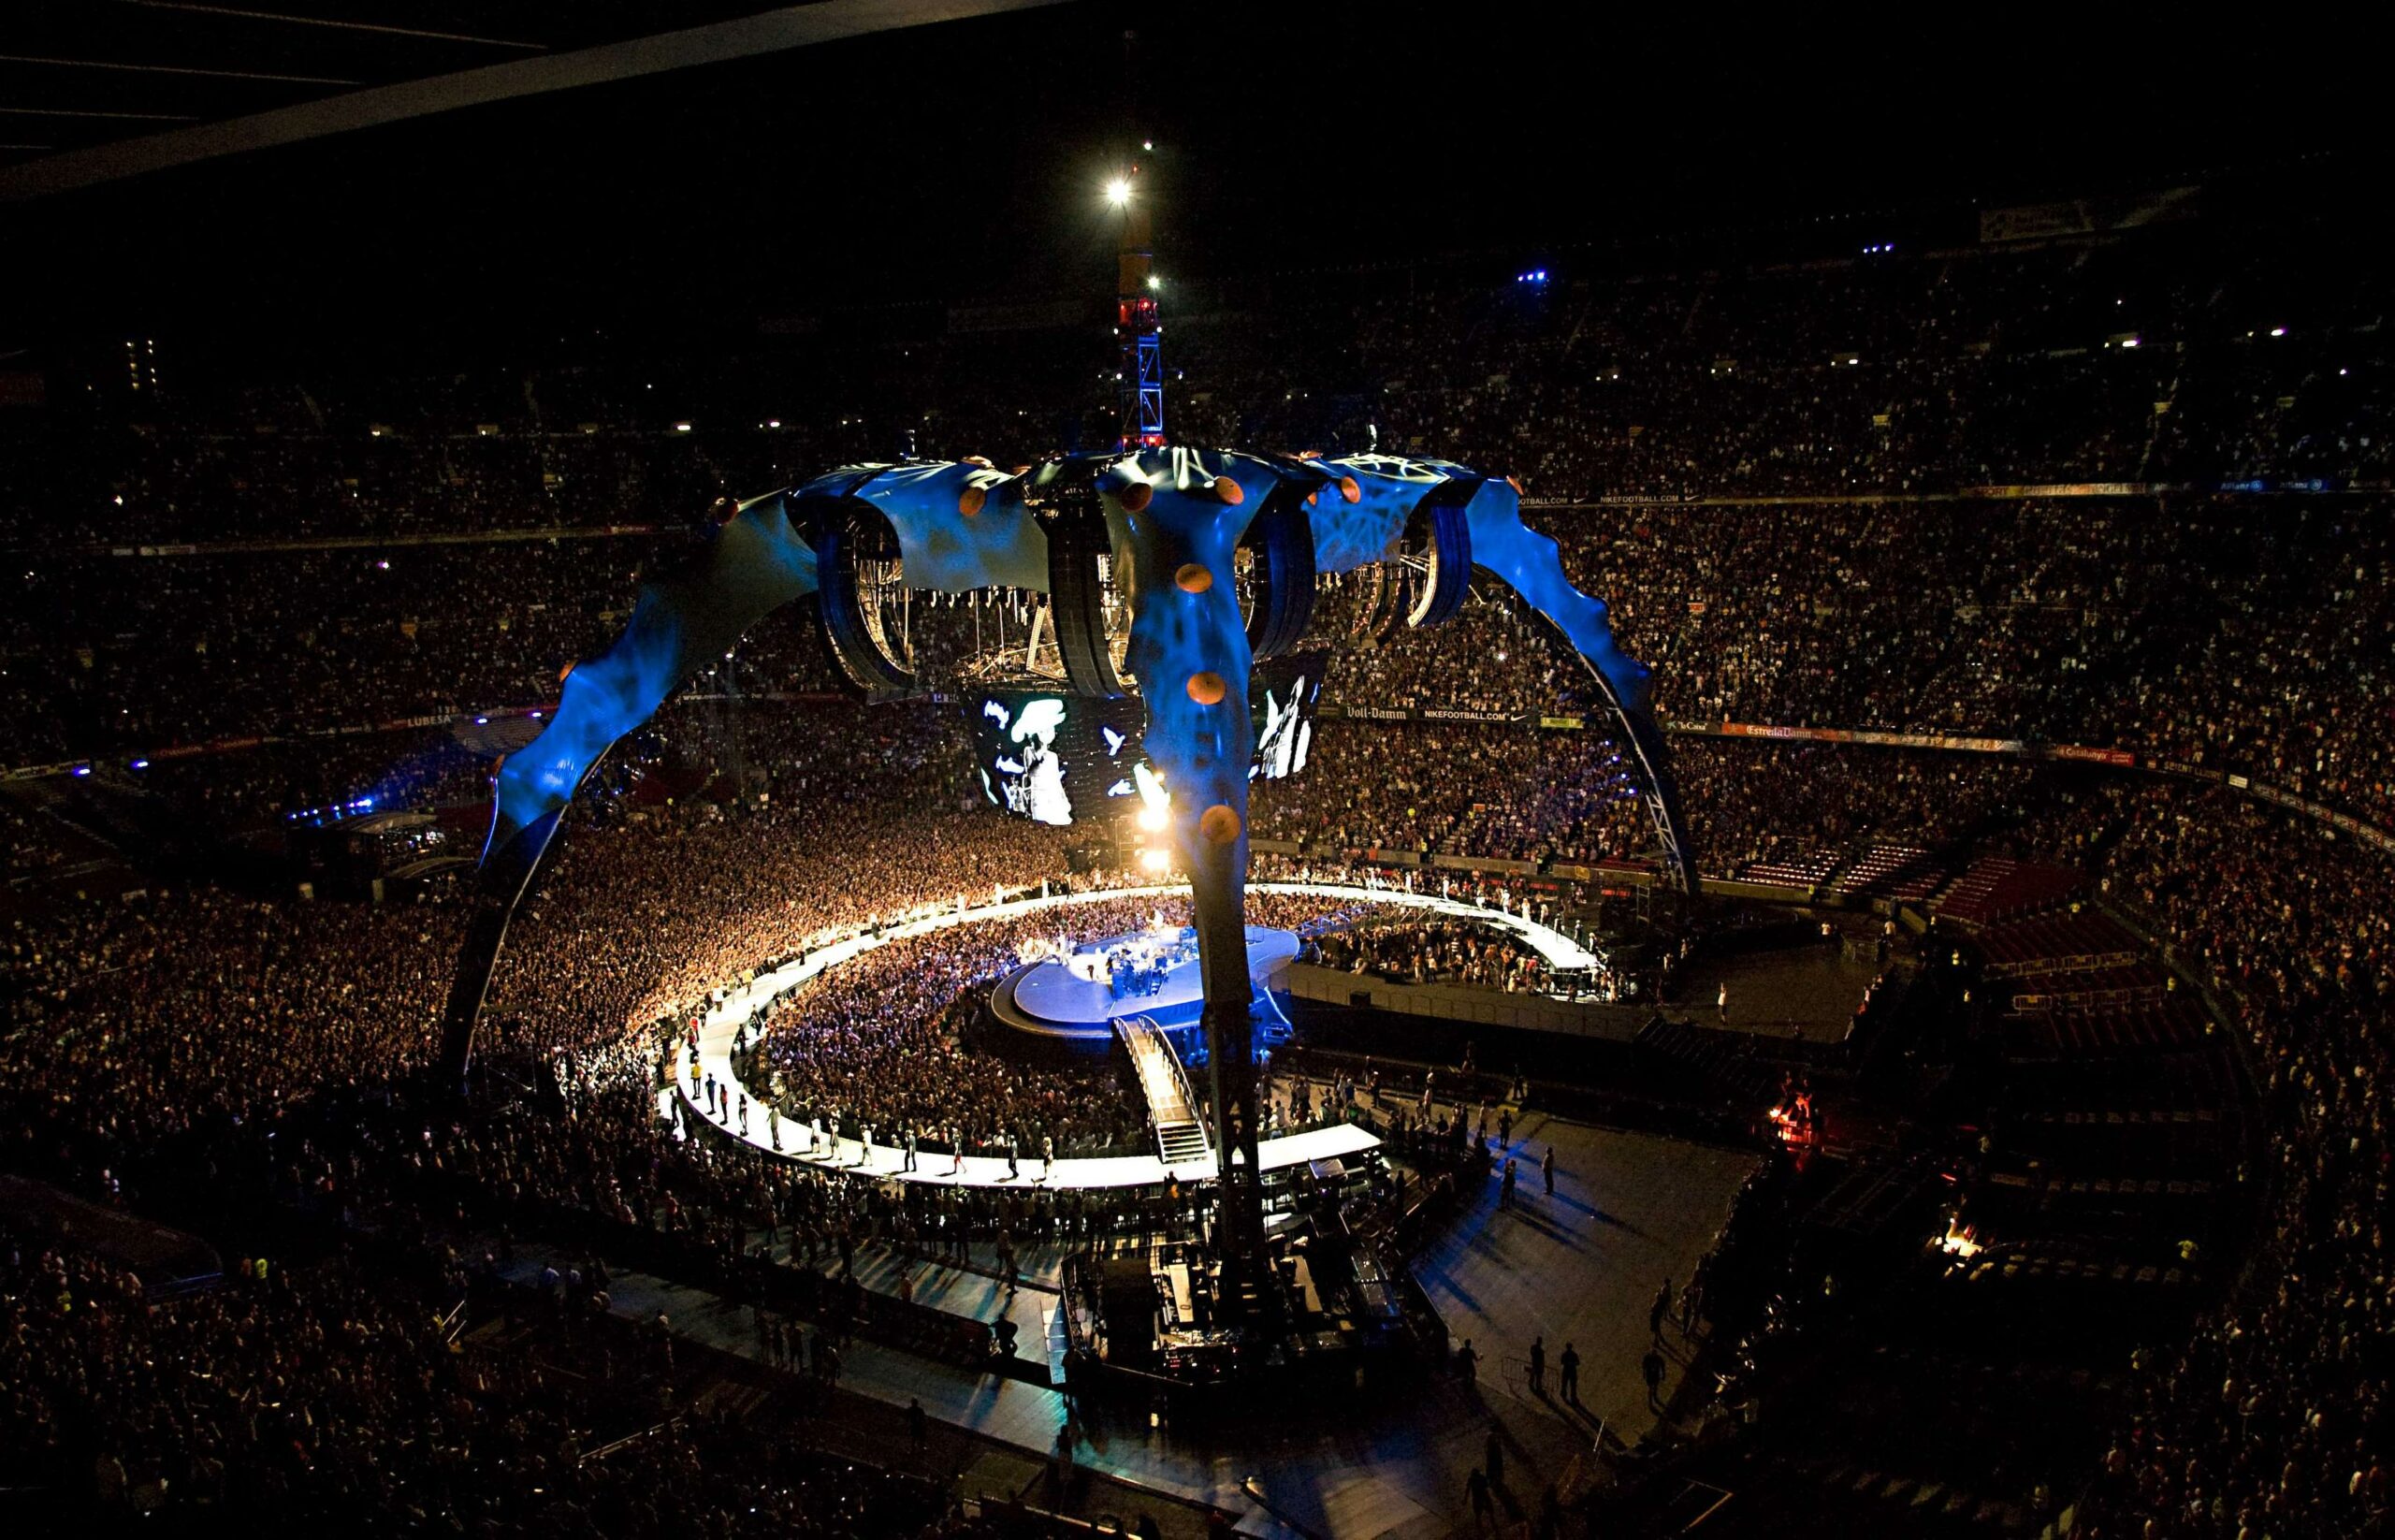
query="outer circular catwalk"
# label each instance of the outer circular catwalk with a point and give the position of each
(1073, 999)
(880, 1161)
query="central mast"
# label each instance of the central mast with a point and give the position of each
(1140, 369)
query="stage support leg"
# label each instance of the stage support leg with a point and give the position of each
(1528, 562)
(500, 887)
(1218, 881)
(1190, 651)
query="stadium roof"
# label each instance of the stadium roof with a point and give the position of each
(94, 90)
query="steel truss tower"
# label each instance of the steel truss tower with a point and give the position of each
(1140, 374)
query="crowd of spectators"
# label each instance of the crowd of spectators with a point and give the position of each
(112, 656)
(2250, 641)
(1889, 374)
(2246, 636)
(1423, 951)
(881, 1043)
(331, 1393)
(182, 1015)
(1516, 793)
(2274, 1418)
(886, 1043)
(1399, 786)
(136, 1020)
(2233, 630)
(240, 467)
(188, 1034)
(2185, 355)
(855, 817)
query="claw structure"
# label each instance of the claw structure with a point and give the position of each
(1140, 556)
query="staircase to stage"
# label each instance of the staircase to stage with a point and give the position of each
(1172, 1108)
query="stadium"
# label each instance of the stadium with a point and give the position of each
(983, 769)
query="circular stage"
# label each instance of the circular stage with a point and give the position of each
(1074, 1000)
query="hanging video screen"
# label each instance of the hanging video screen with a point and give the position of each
(1281, 698)
(1062, 759)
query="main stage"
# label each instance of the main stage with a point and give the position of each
(1073, 1000)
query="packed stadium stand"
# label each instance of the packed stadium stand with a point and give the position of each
(2062, 577)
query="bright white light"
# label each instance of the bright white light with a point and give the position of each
(2278, 332)
(681, 427)
(1155, 861)
(1156, 802)
(1154, 282)
(2128, 342)
(1118, 193)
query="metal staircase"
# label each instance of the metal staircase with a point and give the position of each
(1173, 1109)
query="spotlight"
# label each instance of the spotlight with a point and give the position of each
(1118, 193)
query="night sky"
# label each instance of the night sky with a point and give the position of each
(964, 160)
